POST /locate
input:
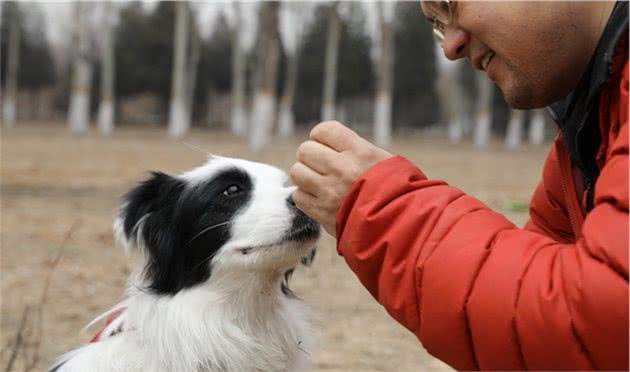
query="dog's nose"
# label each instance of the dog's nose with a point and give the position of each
(290, 201)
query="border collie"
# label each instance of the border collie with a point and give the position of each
(219, 244)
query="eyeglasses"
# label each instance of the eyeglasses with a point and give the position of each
(440, 14)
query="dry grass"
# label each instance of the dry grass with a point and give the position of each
(56, 187)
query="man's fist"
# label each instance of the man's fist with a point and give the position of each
(327, 166)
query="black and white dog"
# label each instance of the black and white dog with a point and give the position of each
(219, 243)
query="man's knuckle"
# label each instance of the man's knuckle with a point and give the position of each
(302, 151)
(294, 171)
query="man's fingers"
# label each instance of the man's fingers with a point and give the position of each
(305, 178)
(334, 135)
(316, 156)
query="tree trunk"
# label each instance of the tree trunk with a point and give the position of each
(384, 89)
(265, 97)
(177, 121)
(483, 111)
(450, 94)
(13, 61)
(330, 67)
(79, 111)
(286, 122)
(514, 134)
(192, 67)
(537, 127)
(238, 122)
(105, 120)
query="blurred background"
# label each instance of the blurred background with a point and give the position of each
(95, 94)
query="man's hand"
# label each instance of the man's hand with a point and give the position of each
(327, 166)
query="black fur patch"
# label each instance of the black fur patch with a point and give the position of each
(177, 222)
(303, 227)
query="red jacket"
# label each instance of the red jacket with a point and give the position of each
(481, 293)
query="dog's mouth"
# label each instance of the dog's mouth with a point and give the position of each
(303, 230)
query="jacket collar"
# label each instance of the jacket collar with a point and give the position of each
(599, 69)
(577, 115)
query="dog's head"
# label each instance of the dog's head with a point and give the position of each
(229, 214)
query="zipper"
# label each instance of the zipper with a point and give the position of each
(568, 188)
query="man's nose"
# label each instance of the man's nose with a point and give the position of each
(455, 43)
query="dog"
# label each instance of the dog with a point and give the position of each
(219, 244)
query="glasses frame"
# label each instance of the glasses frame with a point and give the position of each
(441, 15)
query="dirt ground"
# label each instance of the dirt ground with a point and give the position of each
(59, 198)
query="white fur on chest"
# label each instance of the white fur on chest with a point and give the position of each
(244, 325)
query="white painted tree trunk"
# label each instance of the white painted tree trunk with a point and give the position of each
(178, 124)
(13, 61)
(537, 127)
(263, 113)
(483, 111)
(79, 110)
(262, 121)
(330, 66)
(105, 118)
(383, 119)
(450, 94)
(385, 78)
(514, 133)
(238, 121)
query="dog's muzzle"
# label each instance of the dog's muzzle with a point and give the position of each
(303, 227)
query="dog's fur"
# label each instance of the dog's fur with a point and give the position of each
(219, 243)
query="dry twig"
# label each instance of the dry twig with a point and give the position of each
(39, 321)
(18, 339)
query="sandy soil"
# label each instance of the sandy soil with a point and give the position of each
(60, 194)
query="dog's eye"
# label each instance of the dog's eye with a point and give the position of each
(231, 190)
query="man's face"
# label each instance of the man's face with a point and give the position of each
(541, 49)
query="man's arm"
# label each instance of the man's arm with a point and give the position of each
(476, 290)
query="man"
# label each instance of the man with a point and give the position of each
(477, 291)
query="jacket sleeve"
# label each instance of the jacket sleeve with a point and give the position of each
(481, 293)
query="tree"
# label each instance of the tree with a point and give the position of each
(144, 50)
(265, 96)
(330, 69)
(292, 26)
(79, 110)
(243, 35)
(451, 94)
(384, 88)
(414, 65)
(537, 127)
(514, 134)
(177, 122)
(9, 96)
(483, 110)
(105, 119)
(193, 65)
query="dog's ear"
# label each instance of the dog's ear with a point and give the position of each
(156, 195)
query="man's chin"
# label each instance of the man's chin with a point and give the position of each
(524, 98)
